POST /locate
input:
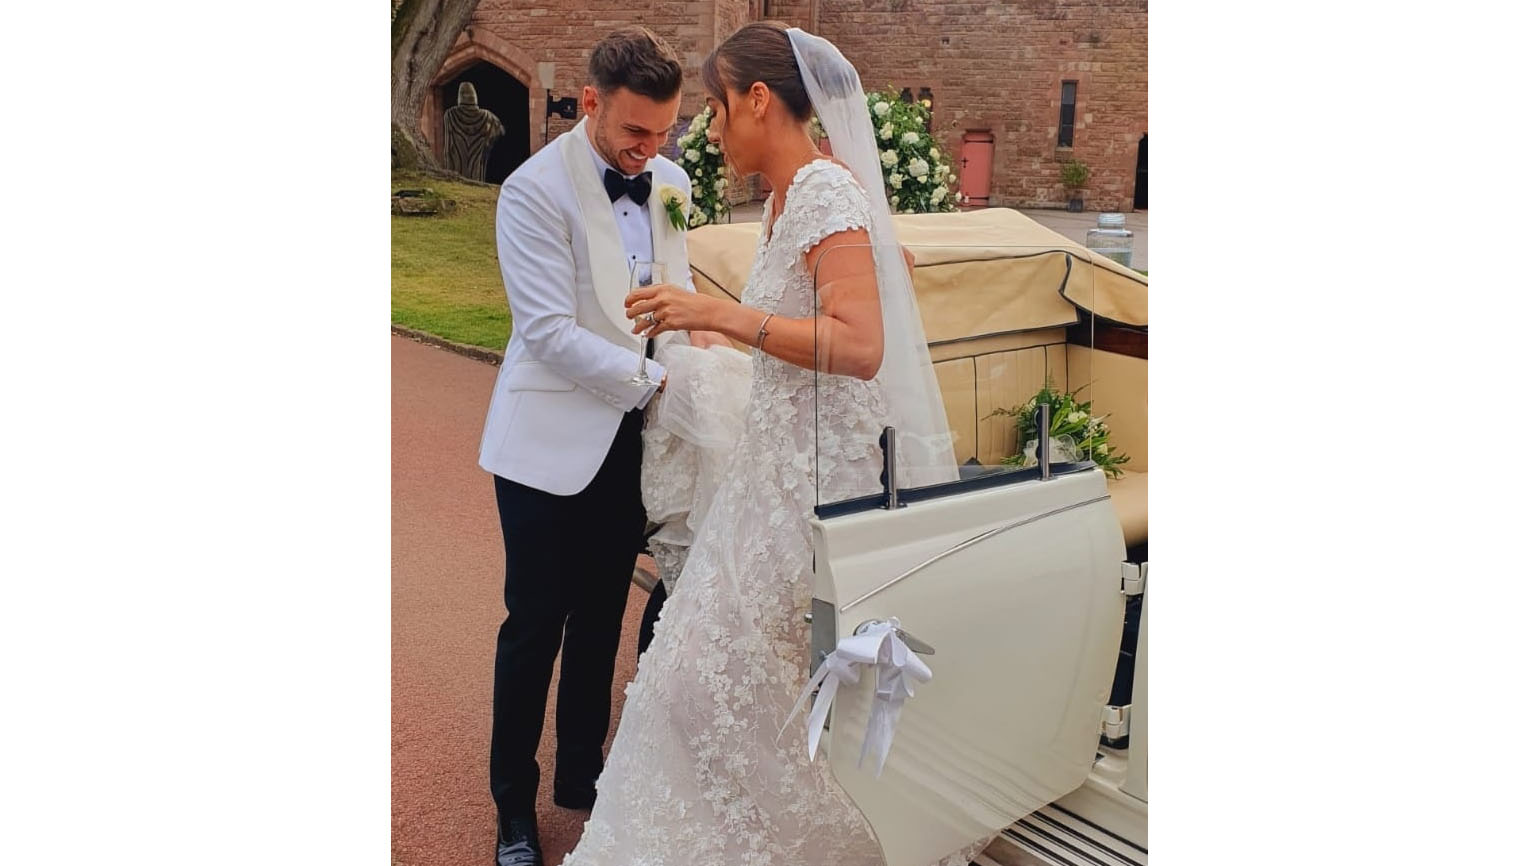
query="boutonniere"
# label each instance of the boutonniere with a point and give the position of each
(673, 202)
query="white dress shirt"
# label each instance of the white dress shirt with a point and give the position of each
(635, 222)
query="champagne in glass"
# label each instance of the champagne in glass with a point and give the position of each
(645, 274)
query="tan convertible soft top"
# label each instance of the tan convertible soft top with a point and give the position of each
(993, 271)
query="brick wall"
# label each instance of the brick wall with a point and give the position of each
(989, 66)
(1000, 67)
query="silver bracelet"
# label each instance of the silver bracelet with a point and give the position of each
(763, 333)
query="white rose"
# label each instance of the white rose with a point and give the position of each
(697, 218)
(699, 173)
(896, 178)
(695, 188)
(889, 158)
(692, 155)
(670, 195)
(881, 109)
(721, 184)
(918, 168)
(886, 131)
(935, 153)
(910, 138)
(712, 149)
(938, 195)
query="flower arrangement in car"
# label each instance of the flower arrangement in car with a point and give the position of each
(1076, 433)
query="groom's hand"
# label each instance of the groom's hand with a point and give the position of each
(665, 307)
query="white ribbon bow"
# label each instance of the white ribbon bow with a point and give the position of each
(876, 644)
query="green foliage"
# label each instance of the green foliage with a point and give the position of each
(920, 176)
(707, 172)
(1074, 174)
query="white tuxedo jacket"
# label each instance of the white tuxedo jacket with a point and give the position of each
(562, 388)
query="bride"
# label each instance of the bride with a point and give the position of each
(697, 773)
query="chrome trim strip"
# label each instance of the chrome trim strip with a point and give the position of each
(960, 546)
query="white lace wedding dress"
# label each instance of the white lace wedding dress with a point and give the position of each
(696, 775)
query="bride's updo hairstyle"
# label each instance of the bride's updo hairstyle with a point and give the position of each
(760, 51)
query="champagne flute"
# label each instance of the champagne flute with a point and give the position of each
(645, 274)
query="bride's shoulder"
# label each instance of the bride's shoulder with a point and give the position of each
(823, 182)
(825, 172)
(825, 198)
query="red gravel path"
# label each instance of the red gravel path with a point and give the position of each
(446, 605)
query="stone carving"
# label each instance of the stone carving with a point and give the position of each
(469, 133)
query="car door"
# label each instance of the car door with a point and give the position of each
(1012, 576)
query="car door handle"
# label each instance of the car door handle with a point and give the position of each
(909, 640)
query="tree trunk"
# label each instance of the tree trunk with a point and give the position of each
(421, 34)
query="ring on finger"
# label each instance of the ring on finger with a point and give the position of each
(649, 317)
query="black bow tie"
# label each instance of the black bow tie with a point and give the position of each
(639, 188)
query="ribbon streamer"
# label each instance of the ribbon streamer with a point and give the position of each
(875, 645)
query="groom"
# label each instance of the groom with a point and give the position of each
(563, 432)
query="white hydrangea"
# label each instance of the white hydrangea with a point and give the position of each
(692, 155)
(894, 201)
(910, 137)
(881, 109)
(721, 184)
(935, 154)
(889, 158)
(896, 179)
(885, 132)
(712, 149)
(918, 168)
(938, 196)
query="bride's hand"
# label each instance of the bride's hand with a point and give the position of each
(671, 309)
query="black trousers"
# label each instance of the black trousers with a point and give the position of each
(569, 562)
(649, 617)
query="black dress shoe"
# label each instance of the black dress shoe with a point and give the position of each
(575, 795)
(518, 842)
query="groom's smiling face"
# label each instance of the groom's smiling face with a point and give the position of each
(626, 128)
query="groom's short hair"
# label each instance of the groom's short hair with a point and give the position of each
(639, 60)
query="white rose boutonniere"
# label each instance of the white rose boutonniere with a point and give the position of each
(673, 202)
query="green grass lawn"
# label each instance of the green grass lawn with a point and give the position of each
(443, 269)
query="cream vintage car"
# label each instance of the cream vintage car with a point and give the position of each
(1022, 590)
